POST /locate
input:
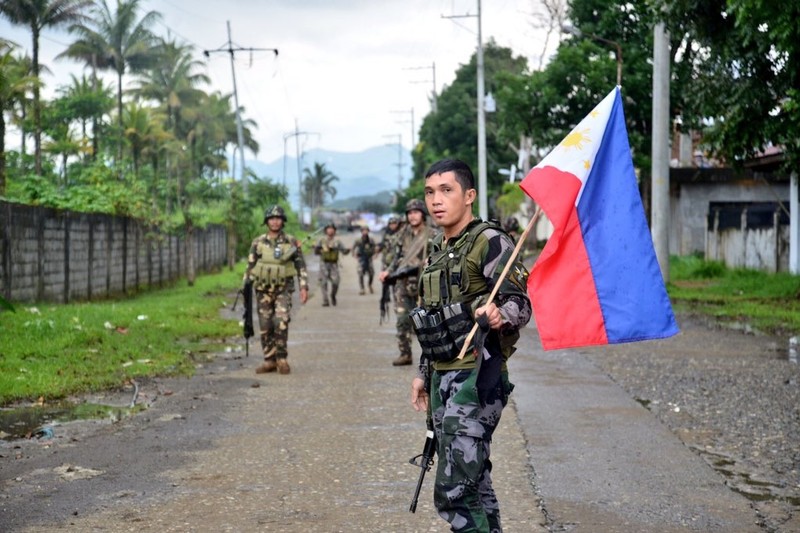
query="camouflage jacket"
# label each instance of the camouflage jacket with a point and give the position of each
(329, 249)
(410, 249)
(364, 250)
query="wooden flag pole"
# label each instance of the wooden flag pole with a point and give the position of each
(502, 277)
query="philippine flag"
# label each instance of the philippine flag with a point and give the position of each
(597, 280)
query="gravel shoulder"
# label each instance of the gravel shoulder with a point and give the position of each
(730, 396)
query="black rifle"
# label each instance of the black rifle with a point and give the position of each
(247, 313)
(391, 279)
(424, 461)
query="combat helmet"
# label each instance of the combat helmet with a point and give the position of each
(393, 220)
(275, 211)
(417, 205)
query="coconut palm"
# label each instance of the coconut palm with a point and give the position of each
(14, 84)
(38, 15)
(173, 80)
(317, 185)
(88, 101)
(116, 40)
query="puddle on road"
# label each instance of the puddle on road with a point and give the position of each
(36, 421)
(752, 489)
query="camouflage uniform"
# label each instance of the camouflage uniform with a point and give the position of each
(467, 396)
(363, 250)
(271, 265)
(329, 248)
(406, 289)
(388, 243)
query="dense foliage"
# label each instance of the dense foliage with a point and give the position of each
(153, 144)
(735, 84)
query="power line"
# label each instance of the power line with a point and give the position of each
(239, 131)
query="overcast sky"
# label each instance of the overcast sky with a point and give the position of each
(348, 71)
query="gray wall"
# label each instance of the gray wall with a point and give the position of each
(690, 209)
(60, 256)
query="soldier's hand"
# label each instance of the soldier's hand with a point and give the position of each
(303, 295)
(419, 398)
(492, 315)
(383, 275)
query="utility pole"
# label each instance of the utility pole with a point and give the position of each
(434, 97)
(399, 163)
(660, 149)
(286, 136)
(413, 131)
(228, 47)
(483, 207)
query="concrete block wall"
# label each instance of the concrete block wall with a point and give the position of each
(62, 256)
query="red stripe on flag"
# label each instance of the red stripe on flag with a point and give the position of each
(561, 285)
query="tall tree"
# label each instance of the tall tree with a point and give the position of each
(88, 102)
(38, 15)
(14, 84)
(453, 132)
(173, 81)
(318, 185)
(737, 70)
(120, 41)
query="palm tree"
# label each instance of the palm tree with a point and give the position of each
(173, 81)
(88, 101)
(142, 127)
(317, 185)
(118, 41)
(14, 84)
(37, 15)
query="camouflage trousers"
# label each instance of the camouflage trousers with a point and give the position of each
(274, 313)
(463, 492)
(405, 299)
(365, 269)
(328, 273)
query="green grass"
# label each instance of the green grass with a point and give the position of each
(53, 351)
(766, 302)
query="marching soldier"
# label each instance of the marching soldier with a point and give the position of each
(275, 259)
(409, 253)
(329, 248)
(363, 250)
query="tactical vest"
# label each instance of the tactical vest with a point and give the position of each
(447, 290)
(443, 282)
(275, 263)
(331, 255)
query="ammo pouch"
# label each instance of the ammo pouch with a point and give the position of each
(441, 333)
(331, 255)
(269, 274)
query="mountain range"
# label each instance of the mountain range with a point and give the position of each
(361, 174)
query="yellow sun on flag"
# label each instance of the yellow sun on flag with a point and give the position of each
(576, 139)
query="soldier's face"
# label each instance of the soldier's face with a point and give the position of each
(329, 231)
(415, 218)
(275, 224)
(447, 201)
